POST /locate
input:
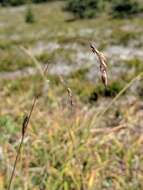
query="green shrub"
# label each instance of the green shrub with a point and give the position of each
(13, 2)
(125, 8)
(83, 8)
(120, 36)
(39, 1)
(114, 88)
(29, 16)
(21, 2)
(91, 8)
(111, 91)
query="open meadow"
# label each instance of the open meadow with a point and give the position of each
(81, 135)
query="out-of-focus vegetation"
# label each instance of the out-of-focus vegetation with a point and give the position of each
(97, 143)
(29, 15)
(121, 8)
(84, 8)
(93, 8)
(21, 2)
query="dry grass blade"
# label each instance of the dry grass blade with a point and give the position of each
(108, 130)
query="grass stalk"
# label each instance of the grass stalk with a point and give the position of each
(27, 118)
(24, 128)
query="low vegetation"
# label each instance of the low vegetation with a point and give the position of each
(82, 135)
(20, 2)
(121, 8)
(93, 8)
(29, 16)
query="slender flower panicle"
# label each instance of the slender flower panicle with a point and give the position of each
(103, 64)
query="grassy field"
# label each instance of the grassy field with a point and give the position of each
(97, 142)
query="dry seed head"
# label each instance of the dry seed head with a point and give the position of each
(92, 48)
(103, 64)
(70, 96)
(104, 78)
(24, 125)
(102, 59)
(69, 91)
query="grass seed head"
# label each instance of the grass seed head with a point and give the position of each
(103, 64)
(24, 125)
(104, 78)
(70, 96)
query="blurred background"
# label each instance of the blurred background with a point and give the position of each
(96, 143)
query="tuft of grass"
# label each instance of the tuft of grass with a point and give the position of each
(120, 36)
(135, 63)
(12, 59)
(29, 16)
(111, 91)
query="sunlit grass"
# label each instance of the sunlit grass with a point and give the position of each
(96, 144)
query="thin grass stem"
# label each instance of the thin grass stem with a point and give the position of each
(21, 143)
